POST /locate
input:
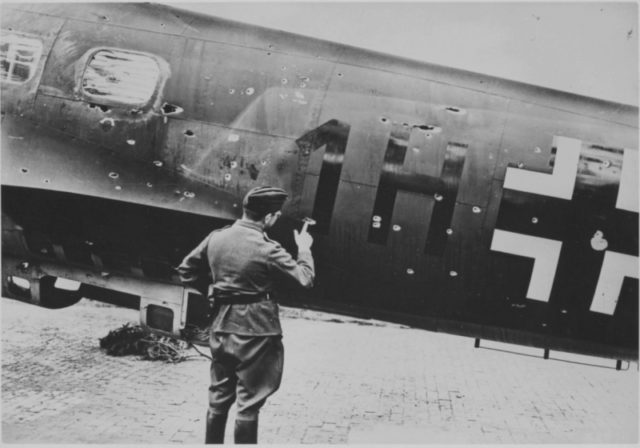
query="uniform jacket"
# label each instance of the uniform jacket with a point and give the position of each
(241, 261)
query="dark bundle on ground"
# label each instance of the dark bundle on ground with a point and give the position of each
(136, 340)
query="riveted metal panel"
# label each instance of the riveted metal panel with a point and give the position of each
(229, 159)
(251, 90)
(112, 127)
(139, 16)
(456, 115)
(530, 130)
(409, 227)
(60, 162)
(270, 42)
(347, 243)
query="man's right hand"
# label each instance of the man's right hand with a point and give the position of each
(303, 239)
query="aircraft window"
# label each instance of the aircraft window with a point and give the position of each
(121, 76)
(19, 57)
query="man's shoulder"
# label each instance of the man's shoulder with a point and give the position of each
(219, 231)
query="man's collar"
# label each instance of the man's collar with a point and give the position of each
(249, 225)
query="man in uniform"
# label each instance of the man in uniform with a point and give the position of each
(246, 337)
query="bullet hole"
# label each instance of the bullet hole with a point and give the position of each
(162, 25)
(227, 177)
(438, 197)
(283, 96)
(98, 106)
(453, 274)
(105, 274)
(396, 228)
(149, 184)
(537, 150)
(233, 138)
(177, 192)
(189, 194)
(89, 243)
(46, 181)
(135, 111)
(284, 81)
(377, 218)
(476, 209)
(232, 91)
(207, 78)
(233, 164)
(455, 110)
(189, 133)
(430, 128)
(44, 250)
(131, 142)
(598, 242)
(340, 75)
(158, 163)
(250, 91)
(107, 124)
(534, 220)
(449, 231)
(104, 18)
(234, 205)
(118, 187)
(24, 265)
(24, 170)
(606, 163)
(263, 163)
(376, 225)
(384, 119)
(113, 175)
(415, 149)
(543, 324)
(410, 271)
(171, 109)
(564, 311)
(520, 165)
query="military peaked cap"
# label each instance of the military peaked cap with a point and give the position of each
(264, 200)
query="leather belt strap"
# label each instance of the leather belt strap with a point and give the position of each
(240, 300)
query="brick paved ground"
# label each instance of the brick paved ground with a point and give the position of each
(343, 383)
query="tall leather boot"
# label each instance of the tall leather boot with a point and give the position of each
(246, 431)
(215, 428)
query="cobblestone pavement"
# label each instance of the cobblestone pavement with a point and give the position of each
(344, 382)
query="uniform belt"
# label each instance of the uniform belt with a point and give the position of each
(240, 300)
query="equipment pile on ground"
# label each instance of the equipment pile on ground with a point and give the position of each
(136, 340)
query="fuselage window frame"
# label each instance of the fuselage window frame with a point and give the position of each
(121, 77)
(20, 55)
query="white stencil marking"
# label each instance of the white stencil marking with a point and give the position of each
(628, 192)
(560, 183)
(544, 251)
(615, 267)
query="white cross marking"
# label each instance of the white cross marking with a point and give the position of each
(615, 267)
(628, 192)
(545, 252)
(560, 183)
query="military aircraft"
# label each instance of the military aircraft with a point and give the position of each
(443, 199)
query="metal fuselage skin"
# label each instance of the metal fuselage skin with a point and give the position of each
(444, 199)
